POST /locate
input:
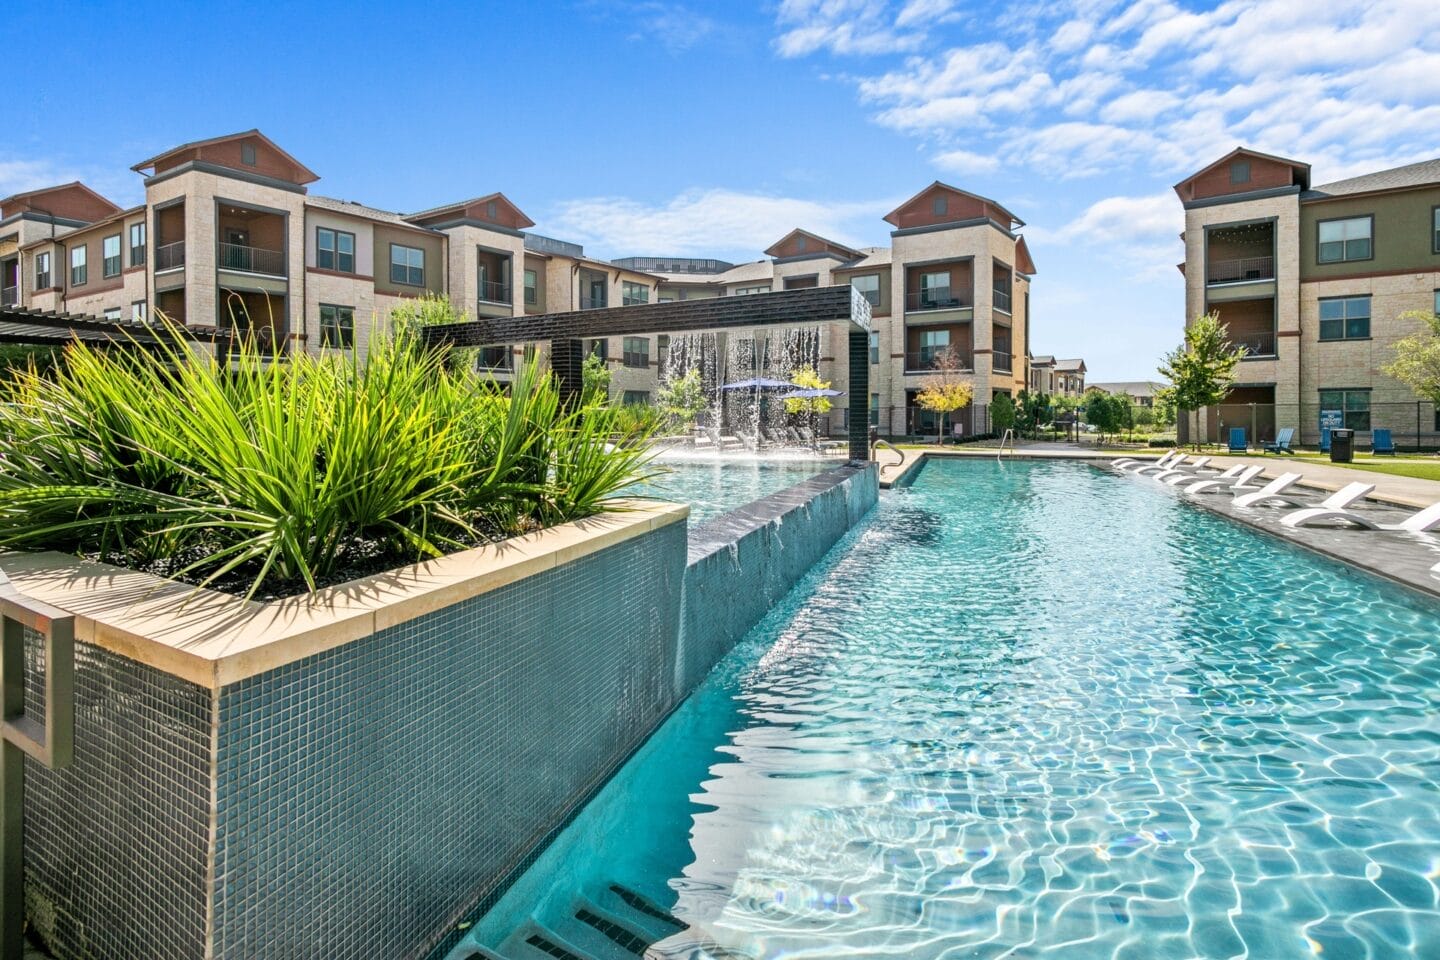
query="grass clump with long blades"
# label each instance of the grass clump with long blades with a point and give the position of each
(270, 477)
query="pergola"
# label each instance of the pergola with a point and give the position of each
(566, 333)
(22, 325)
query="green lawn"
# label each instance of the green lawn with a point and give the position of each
(1423, 471)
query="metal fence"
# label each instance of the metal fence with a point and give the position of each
(1413, 425)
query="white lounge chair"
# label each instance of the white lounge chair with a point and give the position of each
(1272, 493)
(1164, 461)
(1155, 468)
(1192, 469)
(1238, 483)
(1121, 461)
(1229, 473)
(1421, 521)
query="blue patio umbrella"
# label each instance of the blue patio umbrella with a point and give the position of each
(758, 383)
(810, 393)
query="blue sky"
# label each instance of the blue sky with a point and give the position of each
(648, 127)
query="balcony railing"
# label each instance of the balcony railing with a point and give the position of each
(492, 291)
(938, 298)
(170, 256)
(1255, 344)
(633, 301)
(1001, 360)
(930, 358)
(1002, 300)
(494, 358)
(1240, 271)
(9, 295)
(235, 256)
(592, 303)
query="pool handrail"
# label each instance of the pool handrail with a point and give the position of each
(893, 449)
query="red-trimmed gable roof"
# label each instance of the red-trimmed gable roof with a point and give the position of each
(1266, 172)
(800, 242)
(505, 213)
(72, 201)
(920, 210)
(229, 151)
(1023, 261)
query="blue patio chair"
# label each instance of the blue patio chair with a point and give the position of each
(1324, 439)
(1237, 441)
(1382, 442)
(1282, 441)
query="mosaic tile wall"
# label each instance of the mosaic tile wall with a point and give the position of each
(116, 843)
(743, 562)
(370, 796)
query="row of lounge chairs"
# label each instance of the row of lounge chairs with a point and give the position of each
(1381, 441)
(1195, 477)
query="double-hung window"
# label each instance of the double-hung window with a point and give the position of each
(636, 352)
(407, 265)
(137, 244)
(335, 250)
(1345, 318)
(79, 269)
(110, 251)
(933, 343)
(337, 326)
(1344, 240)
(935, 289)
(869, 286)
(42, 271)
(874, 347)
(1435, 230)
(1354, 404)
(532, 288)
(631, 293)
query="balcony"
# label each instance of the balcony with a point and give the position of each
(9, 296)
(1002, 300)
(246, 259)
(492, 291)
(928, 359)
(1240, 270)
(494, 359)
(939, 298)
(633, 301)
(593, 303)
(1001, 360)
(170, 256)
(1257, 345)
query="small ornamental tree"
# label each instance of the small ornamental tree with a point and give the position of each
(807, 379)
(1002, 413)
(594, 382)
(1102, 412)
(1165, 407)
(1202, 369)
(683, 399)
(1417, 357)
(945, 390)
(1034, 410)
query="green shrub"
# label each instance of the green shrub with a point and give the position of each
(280, 475)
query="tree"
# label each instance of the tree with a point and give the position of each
(1002, 413)
(1104, 411)
(1034, 410)
(945, 390)
(1164, 407)
(1202, 369)
(807, 379)
(1417, 357)
(594, 382)
(683, 399)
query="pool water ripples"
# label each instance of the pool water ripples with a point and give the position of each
(1033, 710)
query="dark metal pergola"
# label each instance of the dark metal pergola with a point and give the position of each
(566, 333)
(23, 325)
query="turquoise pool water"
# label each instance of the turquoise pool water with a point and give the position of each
(1033, 710)
(713, 487)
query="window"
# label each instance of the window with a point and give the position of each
(490, 210)
(745, 291)
(940, 205)
(1345, 318)
(112, 314)
(662, 350)
(1354, 404)
(935, 289)
(869, 287)
(874, 409)
(635, 397)
(110, 252)
(932, 344)
(139, 312)
(247, 154)
(493, 358)
(532, 288)
(1435, 229)
(637, 351)
(599, 348)
(799, 244)
(337, 327)
(79, 270)
(1240, 171)
(42, 271)
(634, 293)
(874, 347)
(407, 265)
(335, 250)
(137, 244)
(1345, 240)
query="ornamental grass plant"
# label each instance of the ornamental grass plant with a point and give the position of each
(269, 477)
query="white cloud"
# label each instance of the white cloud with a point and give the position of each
(965, 161)
(710, 222)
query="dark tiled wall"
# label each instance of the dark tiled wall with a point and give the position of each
(741, 563)
(116, 843)
(371, 795)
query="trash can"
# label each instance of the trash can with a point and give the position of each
(1342, 445)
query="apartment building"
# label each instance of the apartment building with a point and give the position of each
(1062, 378)
(1313, 281)
(1141, 392)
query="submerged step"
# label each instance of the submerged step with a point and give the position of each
(642, 904)
(537, 942)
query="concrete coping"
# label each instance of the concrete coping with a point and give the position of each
(214, 639)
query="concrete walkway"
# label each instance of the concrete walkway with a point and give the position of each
(1400, 491)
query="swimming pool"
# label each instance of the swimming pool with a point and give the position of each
(1029, 709)
(713, 487)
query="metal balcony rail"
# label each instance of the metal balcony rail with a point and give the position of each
(633, 301)
(925, 360)
(592, 303)
(493, 291)
(1001, 359)
(938, 298)
(9, 295)
(235, 256)
(494, 358)
(1241, 270)
(1255, 344)
(1002, 300)
(169, 256)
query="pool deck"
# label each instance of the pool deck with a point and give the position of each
(1406, 559)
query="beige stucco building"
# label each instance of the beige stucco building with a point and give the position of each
(1314, 281)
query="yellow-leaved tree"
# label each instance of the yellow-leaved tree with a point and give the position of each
(945, 390)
